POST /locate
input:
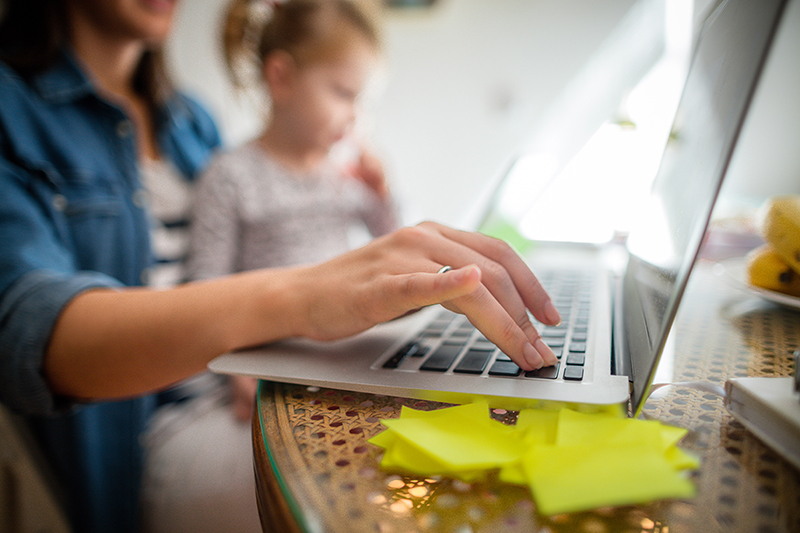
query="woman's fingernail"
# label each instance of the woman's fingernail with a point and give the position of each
(552, 314)
(546, 352)
(532, 356)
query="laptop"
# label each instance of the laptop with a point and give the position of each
(615, 321)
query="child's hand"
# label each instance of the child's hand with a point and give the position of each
(243, 393)
(369, 169)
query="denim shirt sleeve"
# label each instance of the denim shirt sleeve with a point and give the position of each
(37, 279)
(71, 211)
(36, 301)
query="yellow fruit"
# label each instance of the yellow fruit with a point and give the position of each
(778, 221)
(766, 269)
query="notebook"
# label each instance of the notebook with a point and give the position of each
(611, 340)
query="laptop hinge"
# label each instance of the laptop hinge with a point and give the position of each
(620, 358)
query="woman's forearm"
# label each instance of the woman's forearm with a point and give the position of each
(120, 343)
(113, 344)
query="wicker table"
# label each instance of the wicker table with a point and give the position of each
(315, 470)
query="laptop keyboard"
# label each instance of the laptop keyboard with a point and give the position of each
(451, 343)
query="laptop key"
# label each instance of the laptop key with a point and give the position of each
(395, 360)
(473, 362)
(575, 359)
(577, 347)
(573, 373)
(504, 368)
(465, 330)
(483, 345)
(546, 372)
(421, 351)
(435, 328)
(442, 358)
(502, 357)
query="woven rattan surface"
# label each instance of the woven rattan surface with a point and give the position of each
(316, 471)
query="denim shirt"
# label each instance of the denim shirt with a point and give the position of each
(73, 217)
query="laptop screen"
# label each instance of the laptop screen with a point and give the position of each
(664, 242)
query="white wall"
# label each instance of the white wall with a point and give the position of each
(468, 79)
(466, 84)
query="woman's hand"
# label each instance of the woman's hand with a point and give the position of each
(395, 274)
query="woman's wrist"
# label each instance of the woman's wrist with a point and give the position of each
(258, 307)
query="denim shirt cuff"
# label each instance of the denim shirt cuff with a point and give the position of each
(28, 313)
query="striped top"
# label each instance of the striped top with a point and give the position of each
(169, 200)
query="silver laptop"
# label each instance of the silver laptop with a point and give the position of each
(615, 324)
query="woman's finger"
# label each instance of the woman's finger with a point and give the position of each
(495, 278)
(526, 285)
(462, 291)
(416, 290)
(521, 342)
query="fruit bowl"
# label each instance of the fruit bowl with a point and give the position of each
(734, 271)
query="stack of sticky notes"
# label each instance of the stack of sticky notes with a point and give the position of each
(571, 461)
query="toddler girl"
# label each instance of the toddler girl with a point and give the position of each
(280, 199)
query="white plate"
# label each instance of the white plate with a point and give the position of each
(734, 271)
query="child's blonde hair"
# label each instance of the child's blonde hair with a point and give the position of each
(309, 30)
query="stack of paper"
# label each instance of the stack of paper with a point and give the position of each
(571, 461)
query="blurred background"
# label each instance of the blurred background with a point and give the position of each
(584, 88)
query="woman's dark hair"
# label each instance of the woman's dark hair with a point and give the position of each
(33, 33)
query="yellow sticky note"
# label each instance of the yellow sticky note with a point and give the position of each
(672, 435)
(384, 439)
(477, 411)
(566, 479)
(576, 428)
(513, 473)
(571, 461)
(387, 438)
(405, 456)
(462, 438)
(537, 426)
(681, 460)
(534, 427)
